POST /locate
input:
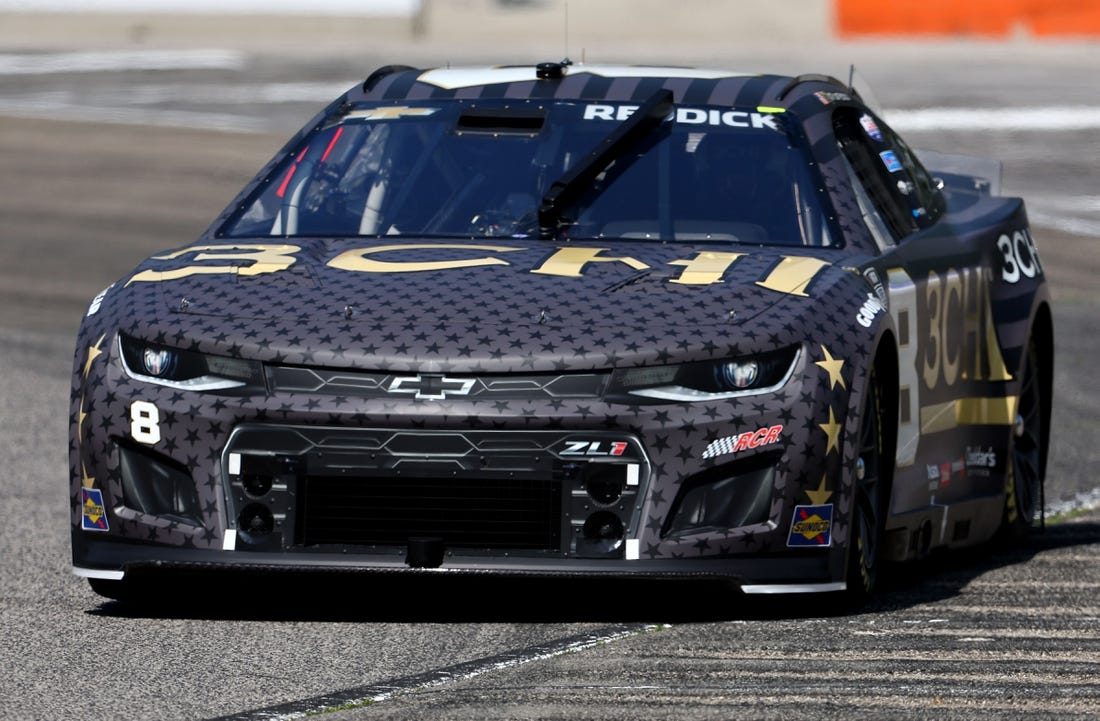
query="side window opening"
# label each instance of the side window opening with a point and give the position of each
(879, 185)
(928, 202)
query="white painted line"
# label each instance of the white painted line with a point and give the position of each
(221, 93)
(234, 464)
(633, 549)
(374, 693)
(229, 541)
(132, 116)
(1065, 223)
(113, 60)
(1056, 118)
(267, 7)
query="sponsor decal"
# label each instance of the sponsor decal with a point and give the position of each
(870, 127)
(870, 308)
(961, 340)
(1020, 256)
(689, 116)
(98, 301)
(872, 277)
(791, 276)
(980, 462)
(595, 448)
(811, 526)
(942, 475)
(743, 441)
(980, 458)
(890, 160)
(933, 477)
(828, 97)
(93, 514)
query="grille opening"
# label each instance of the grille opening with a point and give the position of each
(522, 514)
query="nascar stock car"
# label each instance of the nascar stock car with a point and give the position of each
(572, 320)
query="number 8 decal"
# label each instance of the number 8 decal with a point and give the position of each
(145, 422)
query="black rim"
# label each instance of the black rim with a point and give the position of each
(1027, 446)
(868, 487)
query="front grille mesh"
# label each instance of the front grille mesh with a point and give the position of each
(465, 512)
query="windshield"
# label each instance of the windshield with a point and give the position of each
(481, 169)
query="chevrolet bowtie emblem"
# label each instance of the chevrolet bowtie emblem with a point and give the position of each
(431, 387)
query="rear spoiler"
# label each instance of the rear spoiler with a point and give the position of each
(964, 173)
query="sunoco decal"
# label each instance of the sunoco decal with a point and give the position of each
(94, 515)
(811, 526)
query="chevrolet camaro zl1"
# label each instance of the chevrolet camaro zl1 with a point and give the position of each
(572, 320)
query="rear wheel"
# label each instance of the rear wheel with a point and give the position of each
(1024, 475)
(868, 505)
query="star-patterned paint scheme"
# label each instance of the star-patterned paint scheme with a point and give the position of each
(405, 371)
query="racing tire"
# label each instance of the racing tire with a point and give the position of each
(1026, 468)
(869, 494)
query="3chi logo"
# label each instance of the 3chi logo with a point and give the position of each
(431, 387)
(595, 448)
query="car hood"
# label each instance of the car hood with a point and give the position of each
(484, 299)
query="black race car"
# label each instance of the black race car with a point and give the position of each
(570, 320)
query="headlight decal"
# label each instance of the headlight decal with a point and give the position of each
(184, 369)
(707, 380)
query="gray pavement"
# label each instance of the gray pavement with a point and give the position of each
(1012, 634)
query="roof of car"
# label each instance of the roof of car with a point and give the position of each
(611, 83)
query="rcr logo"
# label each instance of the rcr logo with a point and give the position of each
(431, 387)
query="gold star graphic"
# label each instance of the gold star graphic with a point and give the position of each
(86, 480)
(832, 366)
(820, 497)
(93, 353)
(80, 422)
(832, 430)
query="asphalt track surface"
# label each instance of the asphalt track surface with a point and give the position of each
(999, 633)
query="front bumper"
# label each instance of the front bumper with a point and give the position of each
(294, 481)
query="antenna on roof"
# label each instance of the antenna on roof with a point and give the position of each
(565, 10)
(851, 77)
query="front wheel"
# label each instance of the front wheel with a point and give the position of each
(869, 500)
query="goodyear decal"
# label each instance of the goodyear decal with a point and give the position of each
(811, 526)
(92, 510)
